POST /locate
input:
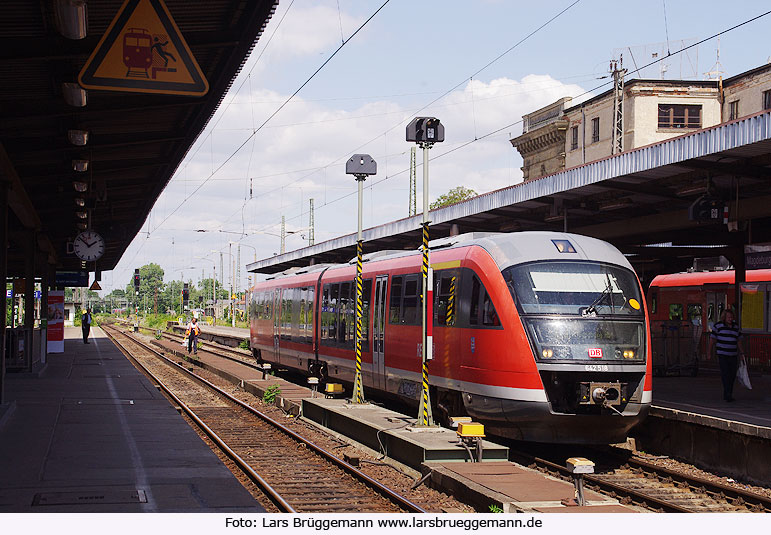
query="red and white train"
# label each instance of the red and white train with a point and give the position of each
(542, 336)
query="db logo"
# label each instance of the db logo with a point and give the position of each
(595, 352)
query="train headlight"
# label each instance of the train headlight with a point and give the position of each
(547, 353)
(626, 353)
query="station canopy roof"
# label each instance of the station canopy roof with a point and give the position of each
(636, 200)
(136, 141)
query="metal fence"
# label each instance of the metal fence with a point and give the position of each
(680, 348)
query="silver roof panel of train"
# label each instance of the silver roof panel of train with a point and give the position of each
(506, 249)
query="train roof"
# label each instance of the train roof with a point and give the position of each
(506, 248)
(699, 278)
(509, 249)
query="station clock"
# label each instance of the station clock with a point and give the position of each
(89, 246)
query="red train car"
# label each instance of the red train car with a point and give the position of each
(542, 336)
(684, 306)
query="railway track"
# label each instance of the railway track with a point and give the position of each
(631, 480)
(635, 481)
(294, 473)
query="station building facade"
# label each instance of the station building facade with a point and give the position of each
(561, 136)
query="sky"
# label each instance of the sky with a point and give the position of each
(477, 66)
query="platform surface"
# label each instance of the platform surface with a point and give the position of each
(92, 434)
(703, 395)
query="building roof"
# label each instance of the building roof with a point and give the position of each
(136, 141)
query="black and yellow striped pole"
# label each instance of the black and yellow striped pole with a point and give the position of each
(361, 166)
(450, 316)
(358, 390)
(425, 131)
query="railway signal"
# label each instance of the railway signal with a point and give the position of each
(361, 166)
(185, 295)
(136, 281)
(425, 131)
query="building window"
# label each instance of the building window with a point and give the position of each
(574, 138)
(595, 129)
(679, 116)
(733, 110)
(767, 100)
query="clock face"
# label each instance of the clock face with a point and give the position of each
(89, 245)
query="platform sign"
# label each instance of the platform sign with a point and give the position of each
(55, 327)
(143, 51)
(71, 279)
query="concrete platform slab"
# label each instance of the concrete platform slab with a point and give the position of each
(513, 488)
(392, 433)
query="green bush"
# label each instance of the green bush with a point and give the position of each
(270, 394)
(244, 344)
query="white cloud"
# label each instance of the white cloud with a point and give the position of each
(301, 154)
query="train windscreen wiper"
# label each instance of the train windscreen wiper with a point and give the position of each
(591, 310)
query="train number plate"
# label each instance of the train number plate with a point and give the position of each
(596, 367)
(595, 352)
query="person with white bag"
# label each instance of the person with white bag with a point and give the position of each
(725, 337)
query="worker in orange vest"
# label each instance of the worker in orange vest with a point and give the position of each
(192, 332)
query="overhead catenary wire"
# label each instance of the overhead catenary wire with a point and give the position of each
(306, 82)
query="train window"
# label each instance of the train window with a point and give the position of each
(489, 316)
(396, 299)
(654, 303)
(310, 302)
(473, 318)
(574, 288)
(445, 307)
(329, 314)
(346, 313)
(410, 314)
(286, 314)
(675, 311)
(366, 294)
(295, 295)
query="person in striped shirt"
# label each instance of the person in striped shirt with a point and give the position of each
(726, 337)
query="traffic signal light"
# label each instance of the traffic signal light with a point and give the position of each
(425, 130)
(185, 295)
(707, 209)
(136, 281)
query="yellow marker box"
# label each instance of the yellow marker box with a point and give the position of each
(333, 388)
(471, 430)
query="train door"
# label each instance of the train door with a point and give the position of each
(277, 312)
(716, 303)
(378, 332)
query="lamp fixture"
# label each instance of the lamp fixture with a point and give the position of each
(78, 137)
(80, 165)
(81, 226)
(80, 201)
(615, 204)
(693, 189)
(82, 215)
(71, 18)
(80, 186)
(74, 95)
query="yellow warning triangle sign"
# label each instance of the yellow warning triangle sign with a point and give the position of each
(95, 286)
(143, 51)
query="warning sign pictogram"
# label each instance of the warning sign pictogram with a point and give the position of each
(143, 51)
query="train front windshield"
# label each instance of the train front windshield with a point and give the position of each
(579, 310)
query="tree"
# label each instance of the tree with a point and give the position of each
(461, 193)
(150, 279)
